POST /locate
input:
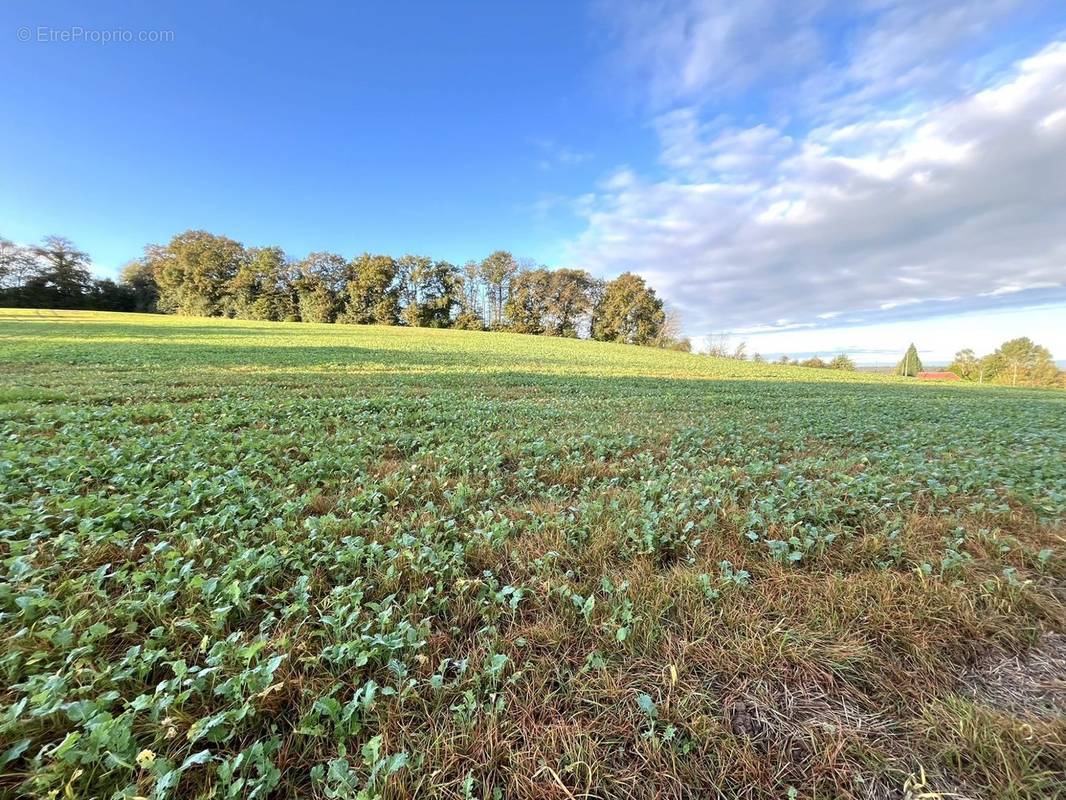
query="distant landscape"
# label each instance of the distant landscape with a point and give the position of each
(202, 274)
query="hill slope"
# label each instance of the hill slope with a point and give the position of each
(279, 560)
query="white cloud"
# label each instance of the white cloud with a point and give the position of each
(932, 205)
(691, 51)
(695, 148)
(552, 154)
(682, 47)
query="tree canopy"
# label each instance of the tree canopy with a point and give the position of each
(199, 273)
(629, 312)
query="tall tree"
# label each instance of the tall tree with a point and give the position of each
(331, 269)
(497, 271)
(842, 362)
(596, 291)
(910, 365)
(262, 288)
(965, 365)
(429, 291)
(194, 271)
(473, 291)
(139, 277)
(470, 291)
(1022, 361)
(65, 268)
(373, 296)
(528, 301)
(630, 312)
(320, 282)
(411, 273)
(314, 300)
(568, 301)
(17, 264)
(670, 334)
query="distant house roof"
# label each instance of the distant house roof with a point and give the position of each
(938, 376)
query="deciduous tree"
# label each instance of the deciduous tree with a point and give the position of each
(372, 291)
(64, 268)
(139, 276)
(965, 365)
(429, 290)
(528, 301)
(496, 271)
(1022, 361)
(630, 312)
(569, 300)
(194, 272)
(17, 264)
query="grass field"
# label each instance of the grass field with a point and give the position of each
(290, 560)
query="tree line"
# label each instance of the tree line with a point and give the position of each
(1018, 362)
(55, 274)
(199, 273)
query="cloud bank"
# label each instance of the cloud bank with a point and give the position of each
(861, 201)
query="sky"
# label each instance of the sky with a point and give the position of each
(807, 176)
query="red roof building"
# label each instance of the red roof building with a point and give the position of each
(937, 376)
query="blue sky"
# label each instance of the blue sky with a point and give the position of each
(807, 175)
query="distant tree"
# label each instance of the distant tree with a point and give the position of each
(596, 290)
(910, 365)
(373, 296)
(314, 300)
(783, 360)
(64, 269)
(468, 321)
(8, 252)
(1022, 361)
(965, 365)
(106, 295)
(496, 272)
(55, 274)
(429, 290)
(330, 269)
(630, 312)
(568, 301)
(139, 277)
(262, 287)
(670, 332)
(194, 271)
(718, 346)
(411, 272)
(757, 358)
(988, 367)
(740, 352)
(319, 284)
(440, 295)
(842, 362)
(473, 296)
(814, 362)
(17, 264)
(528, 301)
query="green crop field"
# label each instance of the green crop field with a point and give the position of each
(271, 560)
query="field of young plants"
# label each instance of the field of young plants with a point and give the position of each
(269, 560)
